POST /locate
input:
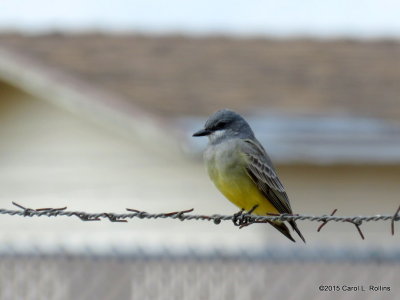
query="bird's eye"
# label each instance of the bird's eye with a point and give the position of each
(220, 124)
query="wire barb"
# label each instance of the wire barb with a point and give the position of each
(325, 221)
(85, 217)
(178, 213)
(31, 212)
(114, 218)
(354, 220)
(395, 218)
(359, 230)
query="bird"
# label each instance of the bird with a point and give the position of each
(242, 171)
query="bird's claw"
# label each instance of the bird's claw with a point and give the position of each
(242, 219)
(239, 218)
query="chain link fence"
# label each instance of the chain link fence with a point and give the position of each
(269, 275)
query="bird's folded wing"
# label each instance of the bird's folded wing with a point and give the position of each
(261, 171)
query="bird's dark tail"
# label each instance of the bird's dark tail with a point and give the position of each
(295, 228)
(283, 229)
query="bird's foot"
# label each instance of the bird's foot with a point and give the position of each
(238, 218)
(243, 219)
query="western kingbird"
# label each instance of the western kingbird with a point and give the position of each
(241, 169)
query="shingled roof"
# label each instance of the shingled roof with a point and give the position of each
(175, 75)
(311, 101)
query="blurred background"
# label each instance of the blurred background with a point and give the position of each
(98, 102)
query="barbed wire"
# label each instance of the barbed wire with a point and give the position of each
(241, 219)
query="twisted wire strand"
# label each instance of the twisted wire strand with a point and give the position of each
(184, 215)
(240, 219)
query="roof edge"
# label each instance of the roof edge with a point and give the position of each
(86, 100)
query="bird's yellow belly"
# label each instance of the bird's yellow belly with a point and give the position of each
(243, 192)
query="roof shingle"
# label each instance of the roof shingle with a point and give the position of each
(174, 75)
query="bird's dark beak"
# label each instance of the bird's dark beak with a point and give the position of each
(202, 132)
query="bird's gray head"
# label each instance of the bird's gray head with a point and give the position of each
(225, 124)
